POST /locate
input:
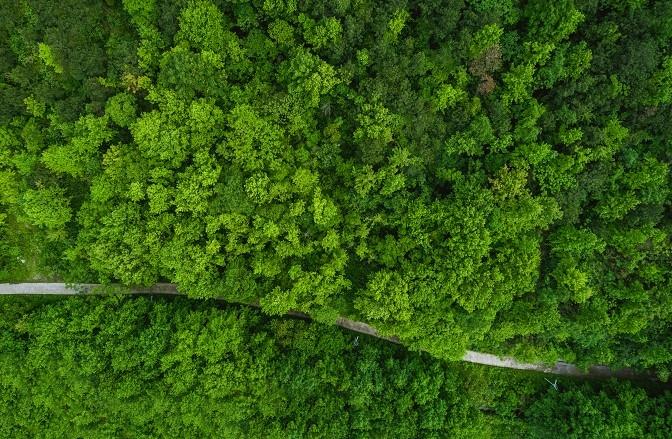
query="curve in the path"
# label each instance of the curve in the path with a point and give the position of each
(559, 368)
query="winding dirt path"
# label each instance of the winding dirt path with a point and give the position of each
(559, 368)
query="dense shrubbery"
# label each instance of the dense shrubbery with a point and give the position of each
(120, 367)
(480, 174)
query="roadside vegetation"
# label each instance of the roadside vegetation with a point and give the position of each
(145, 368)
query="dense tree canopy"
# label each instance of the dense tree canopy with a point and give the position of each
(461, 174)
(143, 368)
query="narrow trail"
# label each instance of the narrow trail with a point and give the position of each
(559, 368)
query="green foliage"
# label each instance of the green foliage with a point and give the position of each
(46, 207)
(79, 157)
(11, 265)
(47, 56)
(152, 367)
(617, 411)
(121, 109)
(467, 174)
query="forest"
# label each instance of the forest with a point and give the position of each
(460, 174)
(148, 368)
